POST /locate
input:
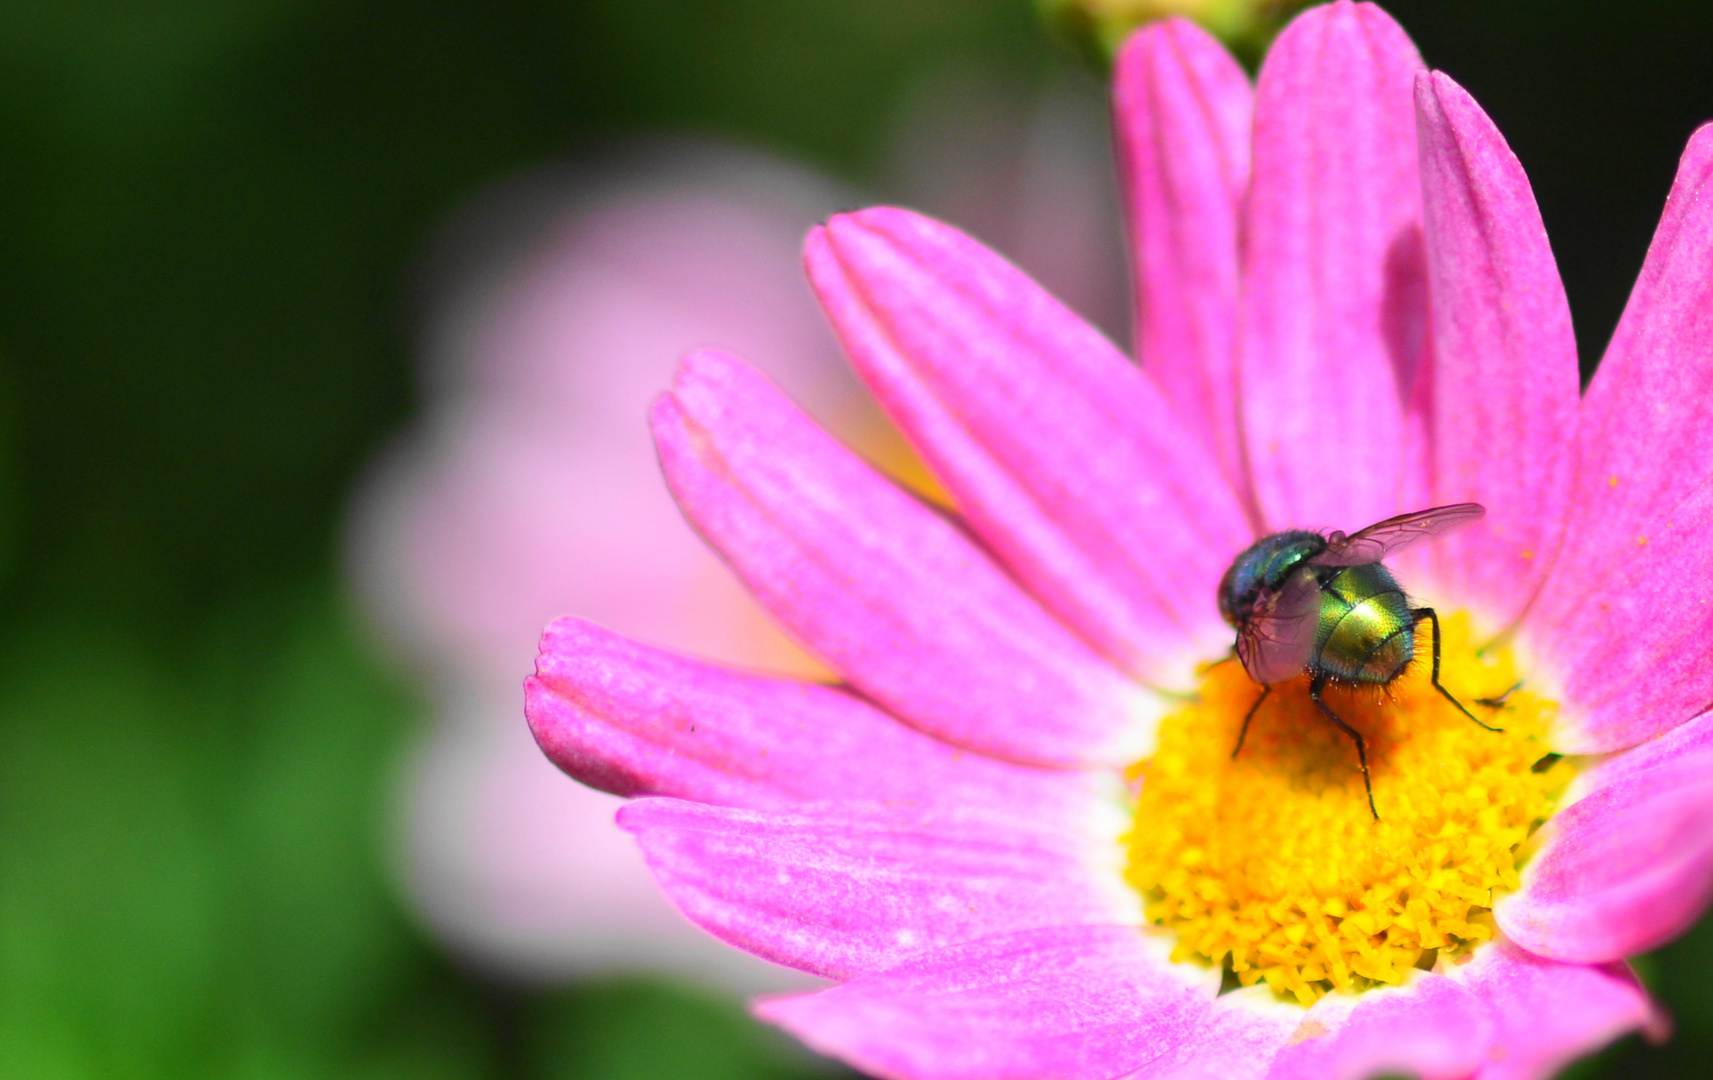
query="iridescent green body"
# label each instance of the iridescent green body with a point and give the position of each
(1366, 630)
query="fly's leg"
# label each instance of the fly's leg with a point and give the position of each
(1499, 702)
(1250, 715)
(1428, 614)
(1211, 664)
(1315, 687)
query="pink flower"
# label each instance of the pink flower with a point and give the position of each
(1347, 308)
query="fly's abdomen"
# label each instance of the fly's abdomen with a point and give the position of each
(1365, 626)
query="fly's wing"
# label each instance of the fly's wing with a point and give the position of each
(1384, 538)
(1278, 638)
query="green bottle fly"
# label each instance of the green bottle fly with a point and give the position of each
(1303, 601)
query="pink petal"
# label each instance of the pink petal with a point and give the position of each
(899, 600)
(1624, 618)
(1548, 1014)
(1631, 645)
(1685, 739)
(1335, 303)
(1505, 385)
(844, 890)
(1433, 1029)
(632, 720)
(525, 877)
(1063, 456)
(1069, 1002)
(1622, 870)
(1243, 1033)
(1182, 110)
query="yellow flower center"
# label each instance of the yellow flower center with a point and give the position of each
(1272, 866)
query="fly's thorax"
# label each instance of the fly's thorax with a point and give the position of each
(1365, 626)
(1265, 564)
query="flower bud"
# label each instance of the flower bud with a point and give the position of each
(1095, 28)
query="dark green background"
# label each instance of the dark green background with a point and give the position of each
(210, 211)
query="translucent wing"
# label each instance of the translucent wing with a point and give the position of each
(1278, 637)
(1393, 535)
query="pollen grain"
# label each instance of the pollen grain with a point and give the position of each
(1271, 866)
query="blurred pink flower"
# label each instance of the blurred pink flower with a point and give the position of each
(530, 490)
(1347, 308)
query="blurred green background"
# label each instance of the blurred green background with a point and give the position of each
(209, 215)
